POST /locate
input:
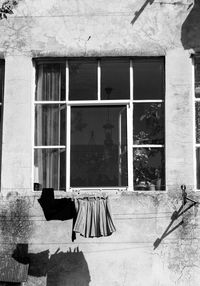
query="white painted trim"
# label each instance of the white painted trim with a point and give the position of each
(148, 101)
(50, 147)
(101, 102)
(129, 144)
(148, 145)
(68, 146)
(50, 102)
(33, 91)
(99, 81)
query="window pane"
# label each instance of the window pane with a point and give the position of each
(148, 123)
(50, 80)
(98, 146)
(198, 167)
(1, 81)
(115, 79)
(148, 79)
(49, 168)
(50, 121)
(197, 78)
(197, 117)
(82, 79)
(149, 168)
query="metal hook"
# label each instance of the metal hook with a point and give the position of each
(184, 195)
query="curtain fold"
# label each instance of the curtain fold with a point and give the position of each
(48, 124)
(94, 217)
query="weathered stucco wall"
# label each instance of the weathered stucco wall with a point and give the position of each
(114, 28)
(88, 28)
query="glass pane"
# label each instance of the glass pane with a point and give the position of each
(50, 121)
(198, 167)
(149, 168)
(50, 81)
(197, 117)
(98, 146)
(148, 123)
(1, 81)
(115, 79)
(197, 79)
(49, 168)
(148, 79)
(82, 79)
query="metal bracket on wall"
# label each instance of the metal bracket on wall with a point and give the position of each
(175, 216)
(185, 197)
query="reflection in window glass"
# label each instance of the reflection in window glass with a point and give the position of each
(49, 168)
(149, 168)
(198, 167)
(148, 79)
(148, 119)
(115, 79)
(197, 117)
(82, 79)
(98, 146)
(197, 78)
(50, 124)
(50, 80)
(1, 80)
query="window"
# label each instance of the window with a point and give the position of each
(99, 123)
(2, 69)
(197, 119)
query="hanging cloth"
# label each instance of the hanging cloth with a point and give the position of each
(56, 209)
(93, 217)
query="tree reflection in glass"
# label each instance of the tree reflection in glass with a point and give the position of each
(148, 168)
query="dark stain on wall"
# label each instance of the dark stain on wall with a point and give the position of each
(15, 223)
(190, 31)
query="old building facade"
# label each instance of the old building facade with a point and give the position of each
(102, 98)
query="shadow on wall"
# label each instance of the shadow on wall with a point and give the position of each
(62, 268)
(139, 12)
(190, 32)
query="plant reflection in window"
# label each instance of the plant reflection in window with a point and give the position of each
(149, 123)
(148, 168)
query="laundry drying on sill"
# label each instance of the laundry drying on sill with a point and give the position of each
(56, 209)
(91, 215)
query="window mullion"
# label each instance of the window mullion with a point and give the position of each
(34, 86)
(194, 125)
(130, 131)
(68, 145)
(99, 81)
(67, 132)
(130, 144)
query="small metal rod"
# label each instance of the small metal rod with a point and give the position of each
(192, 200)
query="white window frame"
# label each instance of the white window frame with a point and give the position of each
(195, 99)
(98, 102)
